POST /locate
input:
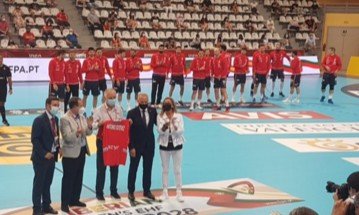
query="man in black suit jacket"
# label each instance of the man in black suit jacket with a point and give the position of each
(142, 144)
(45, 149)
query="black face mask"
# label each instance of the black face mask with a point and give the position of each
(167, 107)
(143, 106)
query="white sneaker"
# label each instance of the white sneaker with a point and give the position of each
(199, 107)
(191, 108)
(287, 100)
(128, 108)
(233, 100)
(242, 100)
(179, 197)
(164, 195)
(297, 101)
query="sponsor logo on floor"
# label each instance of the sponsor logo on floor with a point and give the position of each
(353, 160)
(320, 144)
(352, 90)
(205, 198)
(262, 115)
(16, 147)
(293, 128)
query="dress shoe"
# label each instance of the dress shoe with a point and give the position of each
(65, 209)
(115, 196)
(131, 197)
(100, 197)
(78, 204)
(49, 210)
(149, 195)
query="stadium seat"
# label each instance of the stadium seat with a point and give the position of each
(105, 44)
(98, 34)
(40, 43)
(4, 43)
(50, 43)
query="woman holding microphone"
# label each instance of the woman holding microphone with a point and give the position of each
(170, 129)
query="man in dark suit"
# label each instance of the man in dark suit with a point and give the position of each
(142, 144)
(45, 142)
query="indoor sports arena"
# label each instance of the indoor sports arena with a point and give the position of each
(159, 107)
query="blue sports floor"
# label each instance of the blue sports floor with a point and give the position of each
(215, 153)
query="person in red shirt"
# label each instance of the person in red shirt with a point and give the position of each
(105, 70)
(160, 66)
(261, 67)
(133, 69)
(119, 74)
(207, 80)
(331, 64)
(92, 67)
(57, 78)
(217, 75)
(277, 70)
(177, 67)
(4, 26)
(62, 19)
(225, 69)
(296, 69)
(198, 67)
(28, 38)
(240, 73)
(73, 78)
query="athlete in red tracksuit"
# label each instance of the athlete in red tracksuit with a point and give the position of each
(73, 78)
(240, 64)
(105, 70)
(225, 69)
(217, 75)
(207, 80)
(119, 74)
(198, 67)
(133, 69)
(277, 70)
(92, 67)
(57, 78)
(261, 67)
(177, 64)
(331, 65)
(296, 69)
(160, 66)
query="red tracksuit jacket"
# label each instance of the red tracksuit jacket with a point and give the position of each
(199, 67)
(160, 64)
(57, 71)
(92, 68)
(240, 64)
(133, 68)
(296, 66)
(261, 63)
(177, 64)
(333, 62)
(119, 69)
(73, 75)
(277, 59)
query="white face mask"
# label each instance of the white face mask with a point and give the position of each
(54, 110)
(82, 110)
(111, 102)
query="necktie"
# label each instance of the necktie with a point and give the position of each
(53, 126)
(144, 116)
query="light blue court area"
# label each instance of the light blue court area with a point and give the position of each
(286, 162)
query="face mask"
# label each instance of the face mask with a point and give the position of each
(167, 107)
(54, 110)
(143, 106)
(82, 110)
(111, 102)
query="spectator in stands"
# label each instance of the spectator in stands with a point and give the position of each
(118, 4)
(4, 27)
(17, 11)
(116, 41)
(50, 3)
(47, 31)
(294, 25)
(167, 5)
(189, 5)
(180, 22)
(82, 3)
(143, 41)
(30, 20)
(315, 6)
(94, 21)
(50, 19)
(71, 40)
(311, 25)
(12, 45)
(286, 35)
(219, 41)
(196, 42)
(204, 23)
(264, 40)
(226, 24)
(286, 44)
(241, 42)
(310, 44)
(35, 10)
(28, 38)
(253, 6)
(248, 25)
(107, 26)
(131, 22)
(275, 8)
(112, 17)
(270, 25)
(207, 6)
(303, 211)
(19, 22)
(234, 7)
(155, 21)
(142, 4)
(62, 19)
(171, 42)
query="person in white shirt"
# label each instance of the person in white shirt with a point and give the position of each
(170, 128)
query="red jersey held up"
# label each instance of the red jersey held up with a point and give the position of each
(160, 64)
(116, 137)
(73, 75)
(296, 66)
(333, 62)
(105, 68)
(198, 66)
(177, 64)
(240, 64)
(57, 71)
(261, 63)
(277, 59)
(133, 68)
(92, 67)
(119, 69)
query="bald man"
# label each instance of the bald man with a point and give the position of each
(107, 111)
(142, 144)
